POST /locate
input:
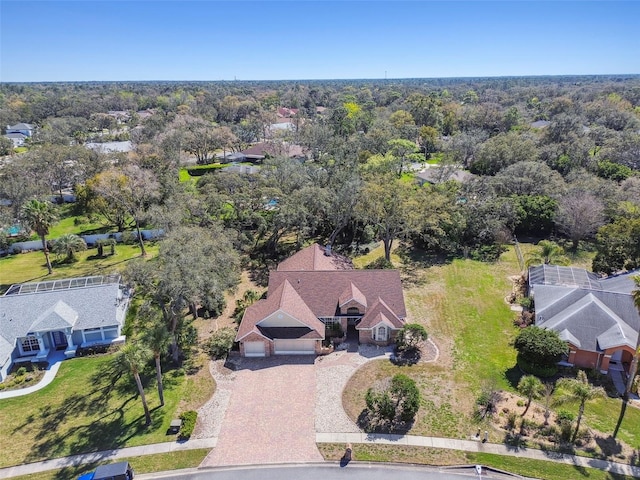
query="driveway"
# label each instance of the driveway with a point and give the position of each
(270, 413)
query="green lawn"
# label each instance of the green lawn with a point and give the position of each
(25, 267)
(145, 464)
(464, 301)
(438, 457)
(87, 408)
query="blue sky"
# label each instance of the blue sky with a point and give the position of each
(264, 40)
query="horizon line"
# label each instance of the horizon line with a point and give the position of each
(469, 77)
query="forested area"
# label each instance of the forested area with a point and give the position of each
(549, 157)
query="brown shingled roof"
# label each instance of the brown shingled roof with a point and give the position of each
(352, 293)
(313, 258)
(321, 290)
(282, 297)
(379, 312)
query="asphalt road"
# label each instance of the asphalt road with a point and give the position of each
(325, 472)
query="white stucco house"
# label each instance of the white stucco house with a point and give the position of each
(40, 317)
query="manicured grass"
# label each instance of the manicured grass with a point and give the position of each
(88, 407)
(440, 457)
(184, 176)
(602, 414)
(76, 224)
(375, 253)
(25, 267)
(144, 464)
(541, 469)
(475, 315)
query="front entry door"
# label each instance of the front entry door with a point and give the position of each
(59, 340)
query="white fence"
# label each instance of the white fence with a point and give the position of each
(91, 240)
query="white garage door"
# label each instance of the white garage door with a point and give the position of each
(254, 349)
(295, 347)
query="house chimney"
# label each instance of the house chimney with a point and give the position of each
(327, 250)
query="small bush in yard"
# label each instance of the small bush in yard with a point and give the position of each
(221, 342)
(188, 424)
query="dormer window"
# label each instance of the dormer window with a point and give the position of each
(353, 311)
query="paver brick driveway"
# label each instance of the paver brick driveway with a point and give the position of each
(271, 413)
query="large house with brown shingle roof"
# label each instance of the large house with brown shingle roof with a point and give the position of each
(316, 289)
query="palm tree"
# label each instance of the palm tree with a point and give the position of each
(39, 217)
(633, 369)
(67, 245)
(157, 338)
(531, 387)
(134, 356)
(581, 390)
(548, 252)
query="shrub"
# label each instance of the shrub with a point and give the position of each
(543, 371)
(220, 343)
(512, 420)
(539, 348)
(380, 263)
(129, 238)
(21, 371)
(188, 424)
(411, 336)
(397, 403)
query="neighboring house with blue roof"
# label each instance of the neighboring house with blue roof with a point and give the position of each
(40, 317)
(595, 316)
(25, 129)
(17, 139)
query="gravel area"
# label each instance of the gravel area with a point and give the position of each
(332, 374)
(211, 414)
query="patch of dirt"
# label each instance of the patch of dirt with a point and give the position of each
(206, 326)
(590, 441)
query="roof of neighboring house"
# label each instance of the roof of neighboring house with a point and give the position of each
(108, 147)
(20, 126)
(287, 112)
(262, 149)
(540, 124)
(314, 257)
(579, 277)
(25, 309)
(321, 290)
(442, 174)
(18, 135)
(591, 313)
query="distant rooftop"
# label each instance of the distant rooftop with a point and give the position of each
(63, 284)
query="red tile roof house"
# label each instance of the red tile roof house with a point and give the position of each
(315, 289)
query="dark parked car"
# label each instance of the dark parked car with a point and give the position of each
(113, 471)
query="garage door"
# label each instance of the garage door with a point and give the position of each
(295, 347)
(254, 349)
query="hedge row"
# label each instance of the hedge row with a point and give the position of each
(188, 424)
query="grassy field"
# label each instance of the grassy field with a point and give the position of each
(441, 457)
(88, 407)
(144, 464)
(462, 305)
(28, 267)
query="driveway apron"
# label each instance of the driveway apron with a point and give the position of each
(271, 413)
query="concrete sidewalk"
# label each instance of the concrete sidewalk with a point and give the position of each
(105, 456)
(353, 438)
(54, 359)
(478, 446)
